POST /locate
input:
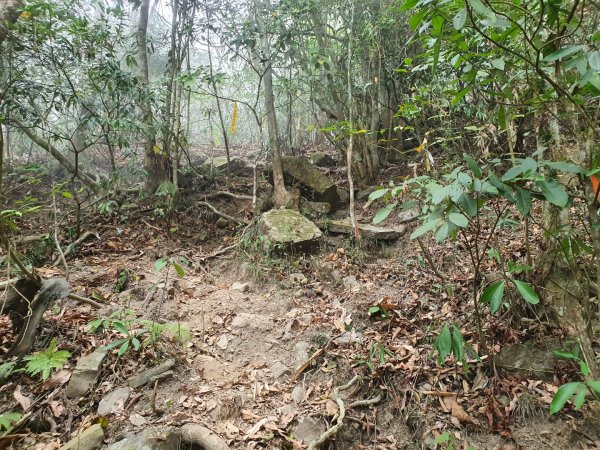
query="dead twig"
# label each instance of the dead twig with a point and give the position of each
(222, 214)
(328, 434)
(226, 194)
(74, 244)
(87, 301)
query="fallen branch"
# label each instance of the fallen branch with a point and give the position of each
(74, 244)
(222, 214)
(225, 194)
(327, 435)
(87, 301)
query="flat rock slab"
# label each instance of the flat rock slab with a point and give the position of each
(321, 159)
(114, 401)
(288, 227)
(256, 321)
(89, 439)
(86, 373)
(236, 165)
(148, 439)
(299, 169)
(366, 230)
(528, 361)
(211, 368)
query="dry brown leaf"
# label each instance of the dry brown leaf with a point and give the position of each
(456, 410)
(332, 408)
(21, 399)
(57, 408)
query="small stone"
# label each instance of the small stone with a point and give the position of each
(298, 278)
(286, 409)
(278, 369)
(237, 286)
(211, 368)
(299, 394)
(408, 216)
(137, 420)
(350, 336)
(90, 439)
(301, 352)
(114, 401)
(222, 342)
(86, 373)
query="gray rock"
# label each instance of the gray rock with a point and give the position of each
(211, 368)
(288, 227)
(114, 401)
(350, 336)
(222, 342)
(89, 439)
(148, 439)
(315, 207)
(301, 352)
(278, 369)
(528, 361)
(237, 286)
(321, 159)
(409, 215)
(299, 170)
(86, 373)
(366, 230)
(299, 394)
(308, 429)
(137, 420)
(219, 165)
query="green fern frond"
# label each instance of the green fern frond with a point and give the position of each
(7, 420)
(46, 361)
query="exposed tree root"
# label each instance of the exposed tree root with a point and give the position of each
(222, 214)
(327, 435)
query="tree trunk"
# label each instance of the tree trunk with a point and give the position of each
(155, 162)
(281, 197)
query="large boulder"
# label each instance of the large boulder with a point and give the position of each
(321, 159)
(219, 165)
(365, 230)
(316, 186)
(288, 228)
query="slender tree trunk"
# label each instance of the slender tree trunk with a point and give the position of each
(281, 197)
(155, 162)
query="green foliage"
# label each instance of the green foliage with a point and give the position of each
(178, 264)
(378, 355)
(451, 342)
(7, 420)
(6, 370)
(577, 391)
(46, 361)
(138, 333)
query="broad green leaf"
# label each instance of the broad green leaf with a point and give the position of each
(472, 165)
(459, 19)
(442, 232)
(468, 204)
(579, 399)
(561, 53)
(527, 165)
(564, 167)
(179, 270)
(443, 344)
(459, 220)
(408, 4)
(160, 264)
(7, 420)
(502, 117)
(120, 327)
(554, 192)
(523, 199)
(123, 348)
(458, 344)
(384, 212)
(481, 9)
(498, 63)
(594, 385)
(565, 354)
(594, 60)
(563, 395)
(527, 292)
(136, 343)
(493, 295)
(67, 194)
(377, 194)
(426, 227)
